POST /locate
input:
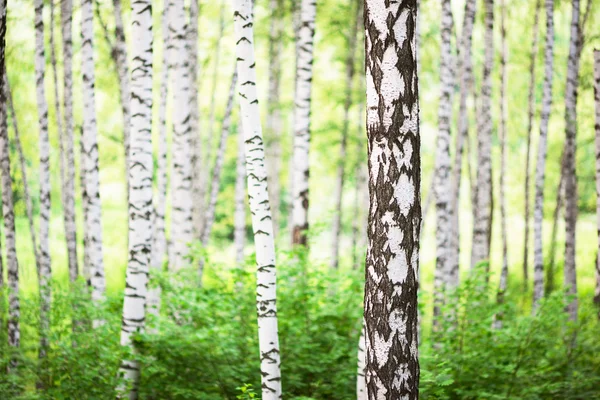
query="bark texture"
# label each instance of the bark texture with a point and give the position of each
(89, 155)
(571, 198)
(361, 390)
(392, 370)
(483, 200)
(140, 189)
(302, 101)
(540, 173)
(597, 128)
(198, 167)
(262, 225)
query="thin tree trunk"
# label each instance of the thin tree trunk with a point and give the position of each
(530, 117)
(597, 127)
(140, 190)
(571, 197)
(442, 187)
(538, 212)
(258, 194)
(209, 217)
(274, 122)
(198, 166)
(302, 102)
(14, 313)
(339, 189)
(466, 84)
(182, 201)
(483, 205)
(361, 390)
(43, 251)
(549, 285)
(68, 147)
(239, 216)
(392, 370)
(93, 215)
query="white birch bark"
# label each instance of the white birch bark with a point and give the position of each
(571, 197)
(341, 167)
(258, 195)
(302, 102)
(93, 214)
(140, 189)
(392, 370)
(483, 205)
(181, 178)
(531, 104)
(361, 390)
(538, 211)
(442, 183)
(597, 128)
(198, 167)
(239, 216)
(44, 179)
(68, 153)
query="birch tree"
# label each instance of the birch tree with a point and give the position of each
(67, 142)
(571, 198)
(140, 191)
(302, 101)
(258, 195)
(239, 214)
(531, 105)
(361, 390)
(198, 169)
(89, 157)
(44, 179)
(538, 212)
(14, 313)
(339, 187)
(483, 201)
(181, 178)
(392, 367)
(597, 127)
(466, 83)
(442, 185)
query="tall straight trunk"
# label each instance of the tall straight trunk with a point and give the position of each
(23, 169)
(140, 191)
(483, 204)
(538, 211)
(442, 184)
(93, 208)
(68, 148)
(159, 241)
(44, 179)
(262, 225)
(182, 202)
(14, 313)
(274, 120)
(571, 197)
(209, 217)
(391, 286)
(530, 117)
(198, 167)
(597, 127)
(339, 187)
(549, 285)
(239, 216)
(302, 101)
(466, 83)
(361, 390)
(503, 139)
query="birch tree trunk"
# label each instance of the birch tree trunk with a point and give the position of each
(361, 390)
(258, 194)
(503, 139)
(339, 187)
(140, 191)
(68, 153)
(239, 216)
(392, 370)
(466, 83)
(198, 169)
(597, 127)
(181, 178)
(571, 197)
(538, 212)
(44, 179)
(302, 101)
(549, 285)
(530, 117)
(274, 122)
(93, 216)
(442, 186)
(483, 204)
